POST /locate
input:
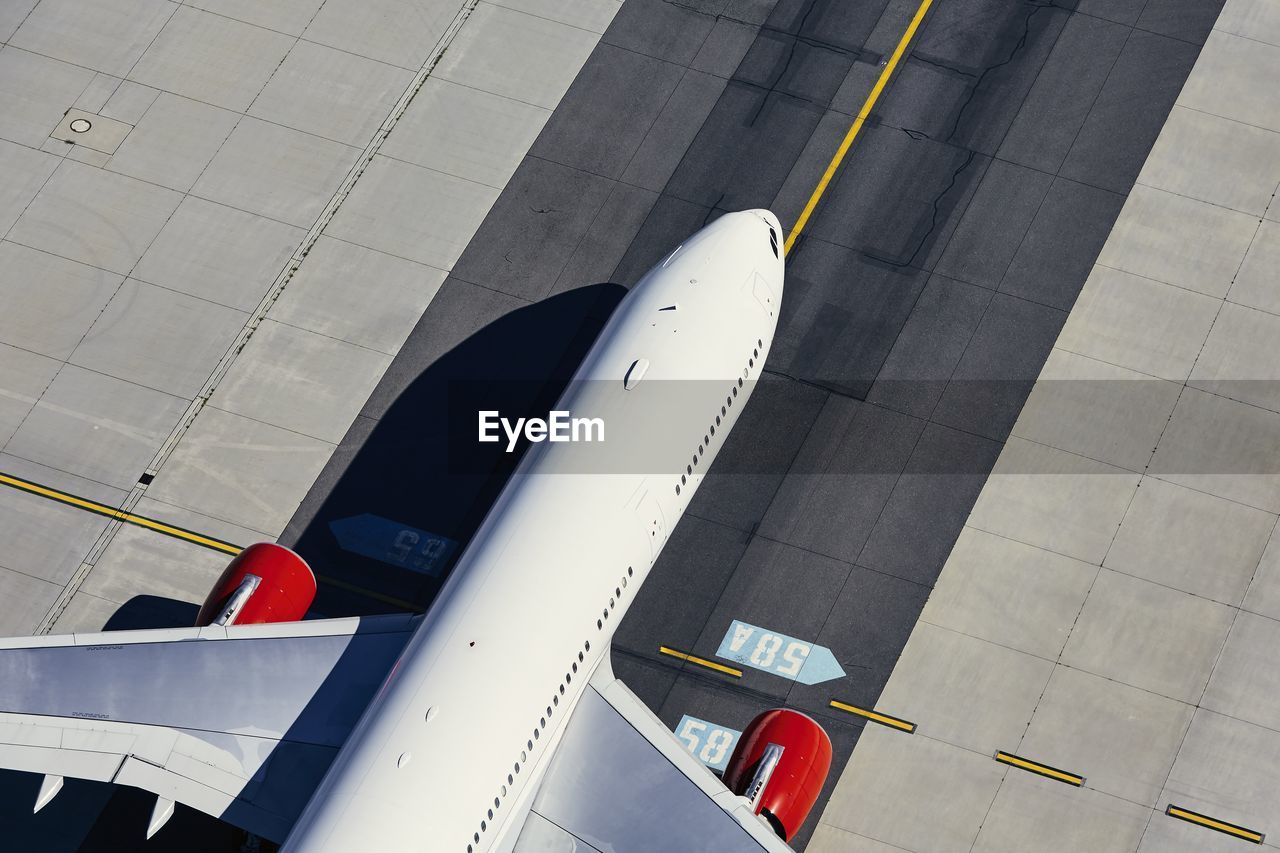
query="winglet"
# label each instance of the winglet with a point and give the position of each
(160, 815)
(50, 785)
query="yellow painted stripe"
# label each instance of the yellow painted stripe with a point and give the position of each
(854, 128)
(874, 716)
(119, 515)
(1040, 769)
(709, 664)
(1215, 824)
(180, 533)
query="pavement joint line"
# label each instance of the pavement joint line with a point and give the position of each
(703, 662)
(874, 716)
(1213, 823)
(176, 532)
(259, 314)
(856, 127)
(1039, 769)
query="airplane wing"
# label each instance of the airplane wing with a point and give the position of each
(239, 722)
(620, 782)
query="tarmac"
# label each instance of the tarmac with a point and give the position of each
(924, 299)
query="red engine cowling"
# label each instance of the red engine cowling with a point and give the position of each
(283, 592)
(788, 793)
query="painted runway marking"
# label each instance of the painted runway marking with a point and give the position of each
(1213, 823)
(703, 662)
(176, 532)
(769, 651)
(1039, 769)
(874, 716)
(394, 543)
(856, 127)
(708, 742)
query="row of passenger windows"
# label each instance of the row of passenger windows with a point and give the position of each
(724, 414)
(550, 711)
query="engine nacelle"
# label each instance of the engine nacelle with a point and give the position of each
(265, 582)
(780, 765)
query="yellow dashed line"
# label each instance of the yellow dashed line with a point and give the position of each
(1214, 824)
(709, 664)
(1040, 769)
(854, 128)
(875, 716)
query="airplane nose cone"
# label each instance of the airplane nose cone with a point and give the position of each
(767, 216)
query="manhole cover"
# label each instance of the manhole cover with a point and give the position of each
(80, 125)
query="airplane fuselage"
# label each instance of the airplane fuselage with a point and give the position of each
(451, 748)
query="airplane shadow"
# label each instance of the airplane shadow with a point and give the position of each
(419, 485)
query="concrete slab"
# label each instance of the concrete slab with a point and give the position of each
(34, 92)
(23, 378)
(275, 171)
(241, 471)
(1097, 410)
(981, 250)
(1255, 283)
(173, 142)
(1234, 79)
(300, 380)
(1216, 160)
(1246, 679)
(1263, 596)
(1034, 815)
(85, 613)
(889, 768)
(22, 172)
(192, 520)
(1129, 111)
(391, 31)
(108, 36)
(27, 600)
(155, 337)
(672, 133)
(1228, 768)
(829, 839)
(52, 319)
(286, 16)
(1061, 244)
(1054, 500)
(44, 540)
(385, 212)
(1179, 241)
(1139, 323)
(96, 217)
(1191, 541)
(465, 132)
(1148, 636)
(13, 14)
(1169, 835)
(570, 135)
(212, 58)
(331, 93)
(140, 562)
(97, 93)
(1251, 18)
(1241, 357)
(327, 295)
(1036, 593)
(593, 15)
(1222, 447)
(55, 478)
(129, 102)
(219, 254)
(1121, 739)
(964, 691)
(516, 55)
(97, 426)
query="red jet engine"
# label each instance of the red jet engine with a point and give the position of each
(780, 765)
(265, 582)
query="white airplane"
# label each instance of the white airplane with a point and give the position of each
(494, 721)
